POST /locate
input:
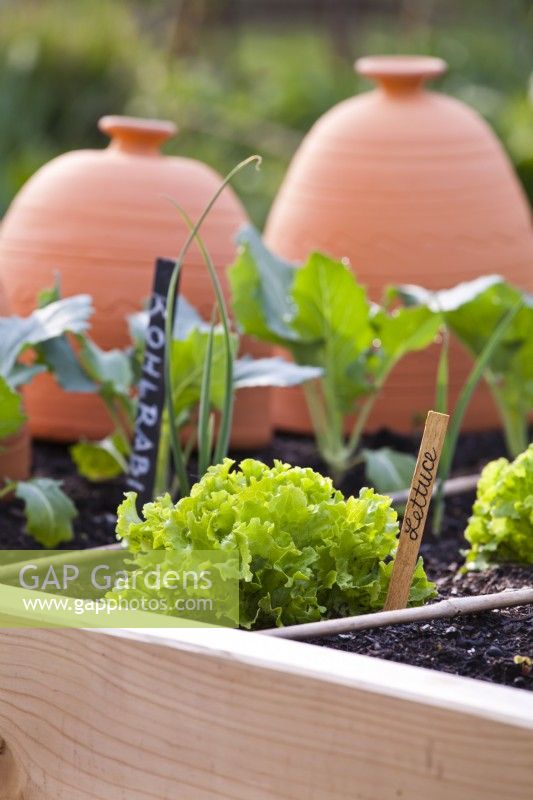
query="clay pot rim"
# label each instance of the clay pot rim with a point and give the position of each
(136, 134)
(402, 69)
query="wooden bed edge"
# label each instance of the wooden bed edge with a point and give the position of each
(402, 681)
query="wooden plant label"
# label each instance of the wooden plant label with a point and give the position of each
(151, 390)
(416, 510)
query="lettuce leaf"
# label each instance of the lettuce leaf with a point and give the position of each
(501, 526)
(305, 551)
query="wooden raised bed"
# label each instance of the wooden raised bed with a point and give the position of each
(223, 714)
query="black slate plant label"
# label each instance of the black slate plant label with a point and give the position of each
(151, 390)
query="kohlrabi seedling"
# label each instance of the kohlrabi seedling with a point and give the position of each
(324, 318)
(473, 311)
(49, 512)
(115, 373)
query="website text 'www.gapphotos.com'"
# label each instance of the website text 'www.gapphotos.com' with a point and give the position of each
(78, 606)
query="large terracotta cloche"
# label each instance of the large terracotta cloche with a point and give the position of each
(411, 186)
(100, 218)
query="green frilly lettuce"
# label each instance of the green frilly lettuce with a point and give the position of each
(501, 526)
(305, 552)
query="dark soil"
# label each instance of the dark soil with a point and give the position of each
(481, 646)
(96, 503)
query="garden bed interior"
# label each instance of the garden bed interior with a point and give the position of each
(481, 646)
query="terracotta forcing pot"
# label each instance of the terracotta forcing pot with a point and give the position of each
(15, 457)
(101, 218)
(15, 451)
(412, 187)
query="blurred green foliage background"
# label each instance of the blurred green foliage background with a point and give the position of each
(241, 76)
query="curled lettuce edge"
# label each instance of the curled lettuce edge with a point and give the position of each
(305, 552)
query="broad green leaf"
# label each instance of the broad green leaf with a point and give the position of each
(333, 314)
(102, 460)
(59, 357)
(188, 359)
(109, 368)
(49, 512)
(261, 286)
(16, 333)
(474, 322)
(12, 416)
(473, 311)
(388, 470)
(445, 299)
(510, 368)
(188, 366)
(276, 371)
(403, 331)
(330, 302)
(189, 350)
(21, 374)
(55, 355)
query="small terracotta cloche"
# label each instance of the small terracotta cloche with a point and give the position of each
(100, 219)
